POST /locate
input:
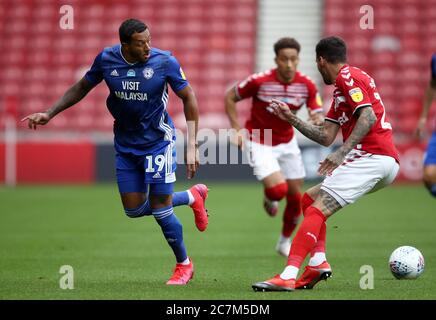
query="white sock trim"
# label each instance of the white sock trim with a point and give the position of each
(186, 261)
(290, 272)
(283, 239)
(317, 259)
(191, 197)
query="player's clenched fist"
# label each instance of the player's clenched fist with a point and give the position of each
(35, 119)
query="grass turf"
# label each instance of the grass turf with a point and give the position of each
(113, 257)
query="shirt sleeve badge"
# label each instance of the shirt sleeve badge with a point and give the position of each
(356, 94)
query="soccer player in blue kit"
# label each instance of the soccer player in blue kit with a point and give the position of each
(144, 135)
(430, 157)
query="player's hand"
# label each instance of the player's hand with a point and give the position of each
(237, 138)
(192, 161)
(35, 119)
(316, 118)
(330, 163)
(420, 129)
(281, 110)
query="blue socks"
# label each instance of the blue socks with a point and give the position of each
(172, 230)
(168, 221)
(179, 199)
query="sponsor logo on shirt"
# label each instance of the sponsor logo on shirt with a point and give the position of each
(131, 73)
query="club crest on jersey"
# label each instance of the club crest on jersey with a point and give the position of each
(148, 73)
(131, 73)
(356, 94)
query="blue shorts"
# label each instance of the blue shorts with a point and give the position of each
(156, 168)
(430, 156)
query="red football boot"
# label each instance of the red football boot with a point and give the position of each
(199, 192)
(313, 274)
(275, 284)
(182, 274)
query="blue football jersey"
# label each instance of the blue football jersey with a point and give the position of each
(138, 97)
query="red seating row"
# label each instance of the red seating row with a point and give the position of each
(43, 60)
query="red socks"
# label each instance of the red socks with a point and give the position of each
(306, 201)
(320, 245)
(291, 214)
(278, 192)
(307, 236)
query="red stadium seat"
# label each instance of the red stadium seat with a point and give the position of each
(398, 55)
(213, 57)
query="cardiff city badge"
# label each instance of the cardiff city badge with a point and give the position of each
(148, 73)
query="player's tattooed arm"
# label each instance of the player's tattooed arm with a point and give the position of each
(364, 123)
(324, 134)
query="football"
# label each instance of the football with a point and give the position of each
(406, 262)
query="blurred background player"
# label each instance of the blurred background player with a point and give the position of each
(137, 76)
(366, 161)
(430, 157)
(276, 159)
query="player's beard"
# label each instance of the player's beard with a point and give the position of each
(326, 78)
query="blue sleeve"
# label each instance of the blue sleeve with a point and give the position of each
(433, 67)
(175, 76)
(95, 74)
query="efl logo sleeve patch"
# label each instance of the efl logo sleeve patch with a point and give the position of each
(356, 94)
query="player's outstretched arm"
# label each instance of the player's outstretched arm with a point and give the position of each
(429, 96)
(190, 108)
(324, 134)
(365, 121)
(230, 104)
(73, 95)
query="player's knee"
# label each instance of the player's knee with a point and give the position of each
(277, 192)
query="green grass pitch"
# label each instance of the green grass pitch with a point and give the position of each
(114, 257)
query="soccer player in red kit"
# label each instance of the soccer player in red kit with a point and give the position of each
(271, 147)
(366, 162)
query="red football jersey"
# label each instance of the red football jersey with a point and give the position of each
(355, 89)
(262, 87)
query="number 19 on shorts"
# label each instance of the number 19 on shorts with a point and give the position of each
(154, 162)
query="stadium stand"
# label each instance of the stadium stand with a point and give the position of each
(396, 52)
(213, 40)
